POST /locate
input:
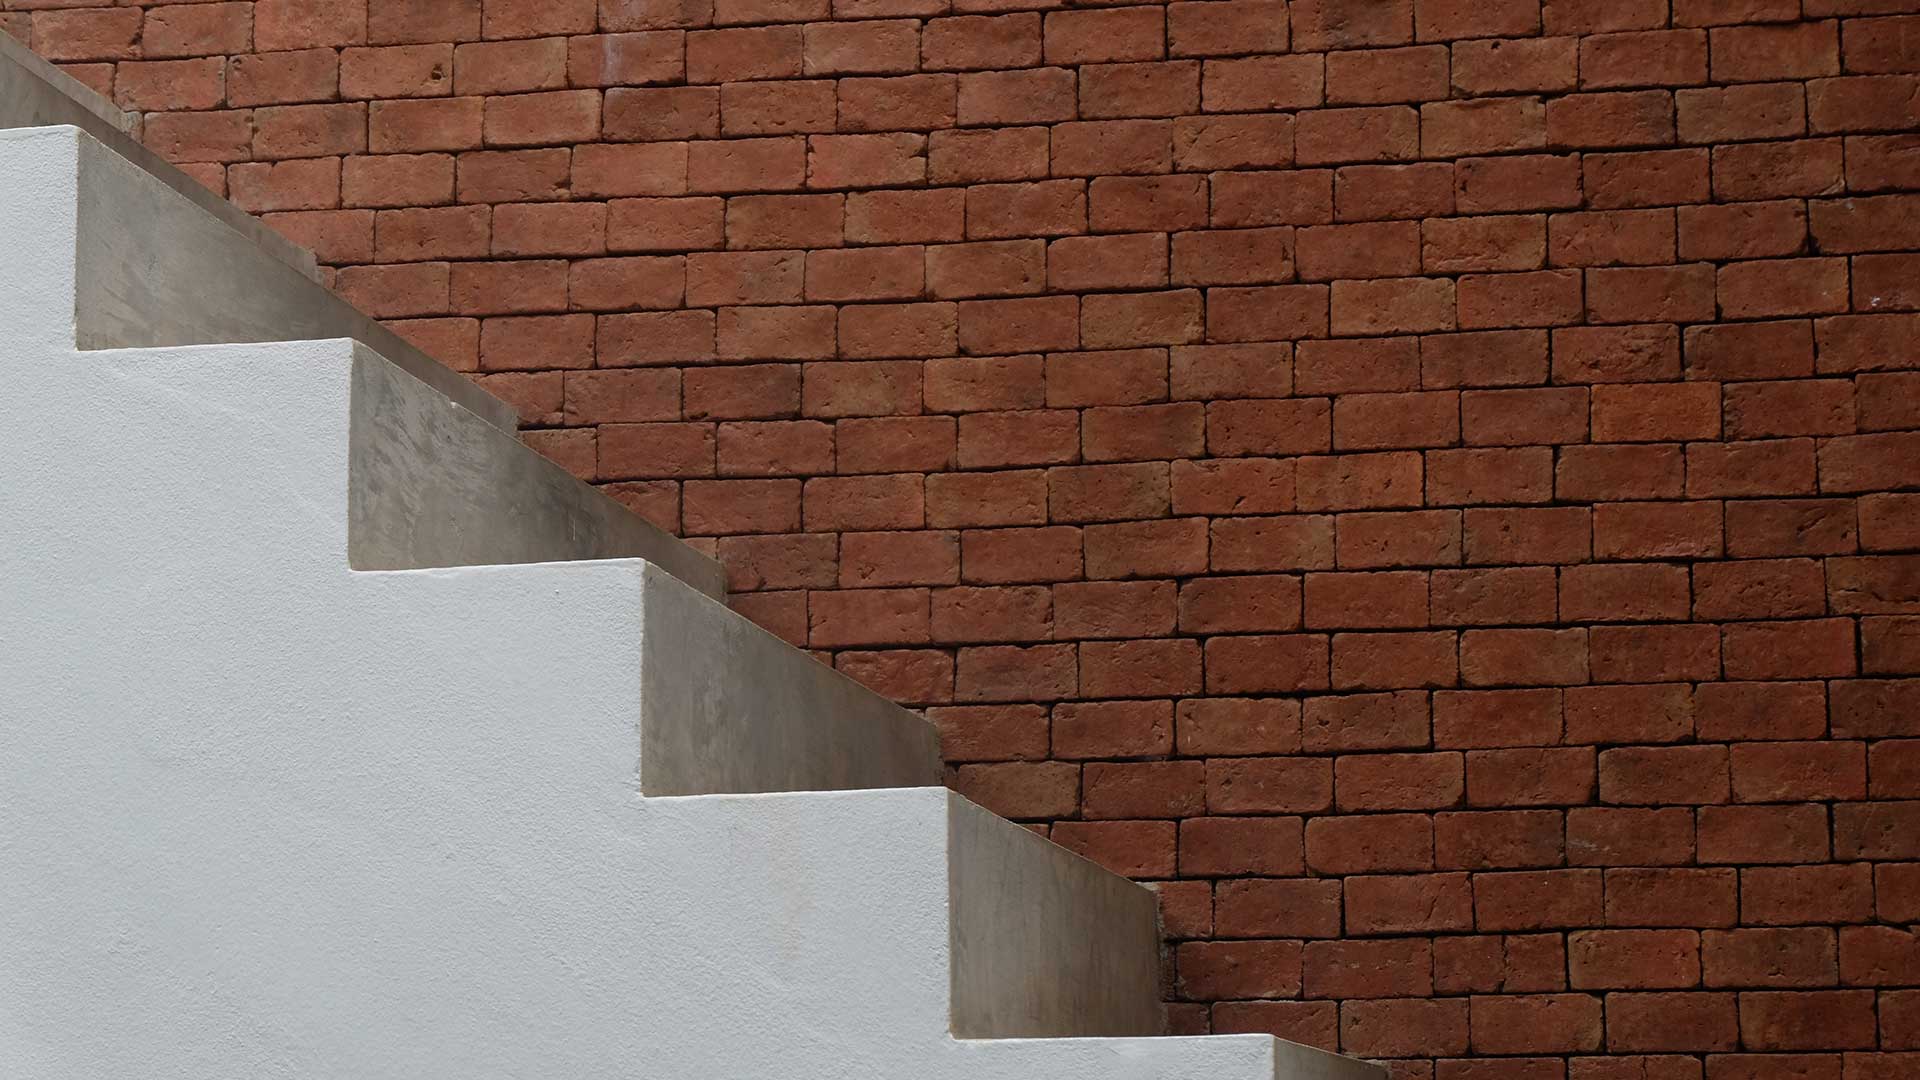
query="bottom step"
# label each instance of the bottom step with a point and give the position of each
(483, 934)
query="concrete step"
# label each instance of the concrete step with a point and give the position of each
(135, 254)
(34, 93)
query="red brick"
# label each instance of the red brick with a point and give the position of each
(1240, 665)
(1378, 133)
(1293, 197)
(1234, 725)
(1671, 1022)
(1229, 846)
(1671, 897)
(1269, 785)
(1538, 1024)
(1259, 969)
(1455, 129)
(1133, 848)
(1394, 661)
(1223, 29)
(1036, 96)
(1630, 836)
(1528, 182)
(1633, 959)
(1385, 721)
(1387, 76)
(1113, 609)
(1537, 899)
(1646, 58)
(1399, 782)
(1763, 834)
(1809, 1020)
(1002, 556)
(1784, 896)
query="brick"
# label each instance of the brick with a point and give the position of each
(1230, 846)
(1224, 29)
(626, 59)
(980, 42)
(1242, 665)
(1657, 531)
(1645, 58)
(1808, 1020)
(1495, 718)
(1232, 142)
(302, 75)
(1258, 969)
(1763, 834)
(1378, 133)
(510, 67)
(532, 229)
(1671, 897)
(870, 331)
(1387, 76)
(1556, 1023)
(525, 176)
(681, 112)
(1526, 182)
(1454, 129)
(988, 155)
(1671, 1022)
(1395, 660)
(1083, 37)
(777, 108)
(1321, 25)
(1141, 789)
(1631, 836)
(1742, 231)
(1008, 556)
(1760, 589)
(1861, 103)
(1293, 197)
(1391, 306)
(1782, 51)
(912, 102)
(200, 30)
(397, 291)
(1021, 789)
(1769, 957)
(1369, 250)
(784, 221)
(1777, 170)
(775, 448)
(1633, 959)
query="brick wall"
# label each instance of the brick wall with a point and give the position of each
(1435, 482)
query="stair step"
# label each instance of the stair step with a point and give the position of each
(131, 262)
(34, 93)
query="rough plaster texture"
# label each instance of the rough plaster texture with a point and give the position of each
(266, 815)
(1430, 483)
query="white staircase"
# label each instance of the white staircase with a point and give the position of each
(343, 737)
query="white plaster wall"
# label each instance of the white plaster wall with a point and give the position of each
(265, 816)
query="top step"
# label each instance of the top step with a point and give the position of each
(158, 260)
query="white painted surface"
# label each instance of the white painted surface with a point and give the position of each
(263, 815)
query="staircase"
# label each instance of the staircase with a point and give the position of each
(342, 736)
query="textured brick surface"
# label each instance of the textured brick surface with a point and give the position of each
(1430, 482)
